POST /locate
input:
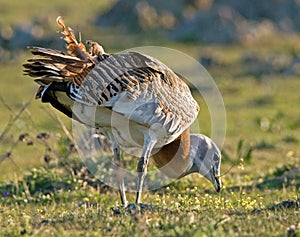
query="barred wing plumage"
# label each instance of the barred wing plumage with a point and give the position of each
(142, 89)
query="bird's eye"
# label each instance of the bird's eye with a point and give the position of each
(216, 158)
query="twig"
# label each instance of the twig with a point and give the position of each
(6, 105)
(14, 119)
(68, 134)
(8, 154)
(14, 113)
(31, 119)
(56, 117)
(230, 168)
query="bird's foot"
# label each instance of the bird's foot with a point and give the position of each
(133, 207)
(118, 210)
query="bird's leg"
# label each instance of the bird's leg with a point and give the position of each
(142, 167)
(119, 173)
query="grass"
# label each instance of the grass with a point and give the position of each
(48, 202)
(46, 190)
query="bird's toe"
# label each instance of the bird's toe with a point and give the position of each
(139, 207)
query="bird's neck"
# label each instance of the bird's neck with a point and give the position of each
(173, 159)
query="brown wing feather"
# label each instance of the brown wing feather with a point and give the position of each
(54, 65)
(51, 65)
(143, 78)
(75, 48)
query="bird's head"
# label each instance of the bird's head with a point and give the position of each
(206, 159)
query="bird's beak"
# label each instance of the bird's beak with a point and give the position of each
(217, 183)
(216, 180)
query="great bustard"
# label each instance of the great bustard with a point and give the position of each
(136, 90)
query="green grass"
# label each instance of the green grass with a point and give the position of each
(261, 156)
(48, 202)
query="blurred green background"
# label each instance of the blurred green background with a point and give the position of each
(251, 49)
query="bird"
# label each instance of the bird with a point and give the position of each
(135, 100)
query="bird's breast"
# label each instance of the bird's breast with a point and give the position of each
(173, 159)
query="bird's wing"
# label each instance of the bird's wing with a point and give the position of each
(142, 89)
(134, 85)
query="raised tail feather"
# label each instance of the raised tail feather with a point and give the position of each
(75, 48)
(53, 65)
